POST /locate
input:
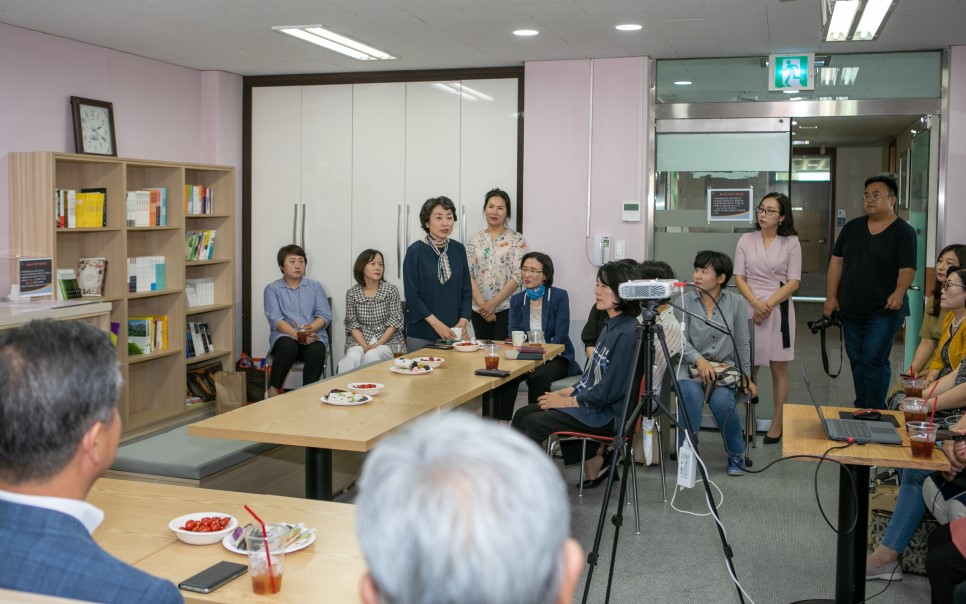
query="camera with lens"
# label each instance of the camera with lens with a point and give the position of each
(834, 320)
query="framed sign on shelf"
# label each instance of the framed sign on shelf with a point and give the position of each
(93, 126)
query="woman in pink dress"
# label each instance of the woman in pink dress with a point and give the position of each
(768, 270)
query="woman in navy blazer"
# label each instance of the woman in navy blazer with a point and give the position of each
(547, 308)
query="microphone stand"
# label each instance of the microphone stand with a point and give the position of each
(644, 356)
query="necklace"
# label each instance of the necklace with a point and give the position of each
(955, 324)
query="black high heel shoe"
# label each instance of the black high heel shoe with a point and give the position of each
(768, 440)
(601, 474)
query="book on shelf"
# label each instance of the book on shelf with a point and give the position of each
(199, 245)
(198, 199)
(147, 334)
(115, 331)
(147, 207)
(197, 339)
(200, 292)
(67, 285)
(145, 274)
(90, 276)
(86, 208)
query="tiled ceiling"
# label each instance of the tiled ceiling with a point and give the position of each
(235, 35)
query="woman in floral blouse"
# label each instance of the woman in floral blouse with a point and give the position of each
(494, 256)
(373, 314)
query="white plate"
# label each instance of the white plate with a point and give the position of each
(347, 400)
(402, 371)
(303, 542)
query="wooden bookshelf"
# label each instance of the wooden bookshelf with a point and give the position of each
(154, 392)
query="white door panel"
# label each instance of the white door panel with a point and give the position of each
(276, 129)
(488, 145)
(327, 195)
(378, 174)
(432, 145)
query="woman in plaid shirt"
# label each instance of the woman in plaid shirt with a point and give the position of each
(373, 314)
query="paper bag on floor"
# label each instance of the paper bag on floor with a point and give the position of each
(646, 445)
(229, 391)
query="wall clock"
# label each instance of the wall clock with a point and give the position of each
(93, 126)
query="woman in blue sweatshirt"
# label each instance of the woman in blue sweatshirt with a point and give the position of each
(592, 405)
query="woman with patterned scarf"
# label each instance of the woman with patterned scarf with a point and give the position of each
(436, 279)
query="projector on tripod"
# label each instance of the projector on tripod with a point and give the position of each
(649, 289)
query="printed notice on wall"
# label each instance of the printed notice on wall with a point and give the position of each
(36, 277)
(730, 204)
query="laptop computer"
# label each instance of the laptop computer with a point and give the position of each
(855, 430)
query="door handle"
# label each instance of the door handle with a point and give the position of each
(399, 241)
(303, 227)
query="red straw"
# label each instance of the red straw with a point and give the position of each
(268, 556)
(934, 404)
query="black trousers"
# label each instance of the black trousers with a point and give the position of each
(537, 424)
(538, 384)
(497, 330)
(286, 351)
(945, 568)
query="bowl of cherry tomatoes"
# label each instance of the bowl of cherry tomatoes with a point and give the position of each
(203, 528)
(368, 388)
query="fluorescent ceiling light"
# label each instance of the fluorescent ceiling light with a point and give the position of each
(801, 142)
(790, 91)
(829, 75)
(873, 15)
(320, 36)
(525, 32)
(839, 26)
(849, 74)
(629, 27)
(683, 83)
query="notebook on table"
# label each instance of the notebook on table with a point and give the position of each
(853, 430)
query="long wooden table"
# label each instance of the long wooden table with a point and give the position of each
(299, 418)
(803, 435)
(135, 530)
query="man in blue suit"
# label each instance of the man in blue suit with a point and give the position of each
(59, 430)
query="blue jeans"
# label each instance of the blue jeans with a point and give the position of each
(722, 403)
(868, 343)
(908, 511)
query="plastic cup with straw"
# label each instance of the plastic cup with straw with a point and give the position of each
(268, 555)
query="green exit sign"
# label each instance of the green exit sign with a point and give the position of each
(791, 72)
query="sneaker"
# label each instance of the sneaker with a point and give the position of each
(891, 571)
(736, 465)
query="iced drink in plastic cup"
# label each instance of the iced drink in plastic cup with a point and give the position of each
(264, 583)
(914, 410)
(913, 387)
(922, 437)
(492, 358)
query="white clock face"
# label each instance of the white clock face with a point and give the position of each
(96, 129)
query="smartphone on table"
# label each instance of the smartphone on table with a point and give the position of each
(213, 577)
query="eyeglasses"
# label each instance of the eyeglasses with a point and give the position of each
(946, 285)
(768, 211)
(875, 196)
(531, 271)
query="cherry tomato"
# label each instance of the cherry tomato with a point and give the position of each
(190, 525)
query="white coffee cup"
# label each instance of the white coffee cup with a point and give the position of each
(519, 337)
(458, 332)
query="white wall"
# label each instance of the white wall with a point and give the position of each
(955, 160)
(161, 112)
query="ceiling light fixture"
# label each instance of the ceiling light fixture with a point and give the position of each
(318, 35)
(871, 13)
(849, 75)
(525, 32)
(683, 83)
(629, 27)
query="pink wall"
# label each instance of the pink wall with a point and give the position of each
(161, 111)
(955, 161)
(556, 129)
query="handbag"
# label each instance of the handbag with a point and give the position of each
(727, 375)
(201, 381)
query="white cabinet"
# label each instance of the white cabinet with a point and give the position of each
(343, 168)
(379, 210)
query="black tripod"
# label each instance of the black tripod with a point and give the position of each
(644, 355)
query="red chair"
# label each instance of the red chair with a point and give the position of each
(627, 449)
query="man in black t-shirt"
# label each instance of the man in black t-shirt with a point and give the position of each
(874, 262)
